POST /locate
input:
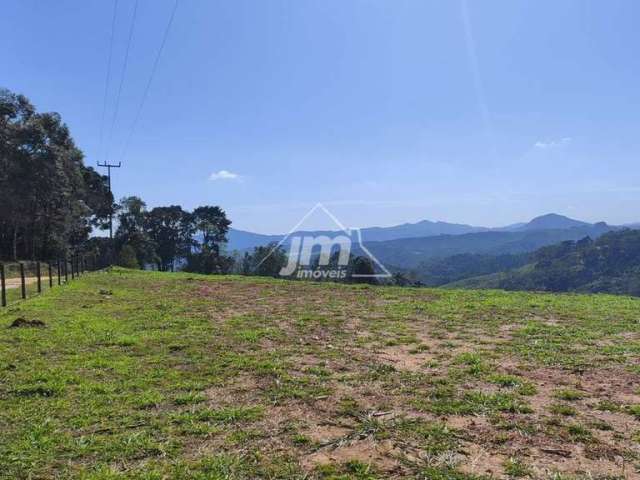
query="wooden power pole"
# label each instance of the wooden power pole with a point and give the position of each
(109, 166)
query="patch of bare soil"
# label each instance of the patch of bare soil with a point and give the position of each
(481, 461)
(611, 383)
(544, 465)
(403, 357)
(549, 447)
(366, 451)
(349, 344)
(326, 434)
(240, 390)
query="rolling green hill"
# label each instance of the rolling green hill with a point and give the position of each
(610, 264)
(493, 280)
(145, 375)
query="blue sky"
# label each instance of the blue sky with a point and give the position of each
(482, 112)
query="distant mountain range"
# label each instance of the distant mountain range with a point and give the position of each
(409, 253)
(242, 240)
(550, 252)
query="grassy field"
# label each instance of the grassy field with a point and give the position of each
(178, 376)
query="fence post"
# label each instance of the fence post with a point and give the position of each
(3, 287)
(50, 275)
(23, 286)
(59, 272)
(39, 277)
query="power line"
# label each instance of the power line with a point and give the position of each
(124, 70)
(148, 86)
(108, 79)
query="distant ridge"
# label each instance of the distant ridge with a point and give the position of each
(553, 221)
(244, 240)
(410, 252)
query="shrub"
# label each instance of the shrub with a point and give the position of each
(127, 257)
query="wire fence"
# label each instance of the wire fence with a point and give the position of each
(21, 280)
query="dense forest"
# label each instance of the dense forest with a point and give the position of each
(49, 200)
(609, 264)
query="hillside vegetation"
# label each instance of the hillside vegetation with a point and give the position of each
(609, 264)
(131, 374)
(410, 252)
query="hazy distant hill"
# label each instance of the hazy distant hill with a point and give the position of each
(409, 244)
(242, 240)
(410, 252)
(550, 221)
(424, 228)
(553, 221)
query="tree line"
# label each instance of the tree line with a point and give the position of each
(50, 201)
(170, 237)
(52, 205)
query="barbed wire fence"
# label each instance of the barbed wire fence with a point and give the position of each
(26, 279)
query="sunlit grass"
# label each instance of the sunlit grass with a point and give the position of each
(154, 375)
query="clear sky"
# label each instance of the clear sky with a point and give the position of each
(482, 112)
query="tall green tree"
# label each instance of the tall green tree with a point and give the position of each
(362, 270)
(213, 225)
(131, 231)
(49, 200)
(266, 261)
(171, 229)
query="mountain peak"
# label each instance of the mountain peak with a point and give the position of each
(552, 221)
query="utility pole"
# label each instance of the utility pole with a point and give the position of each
(109, 166)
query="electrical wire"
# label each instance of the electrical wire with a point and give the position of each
(122, 76)
(149, 82)
(108, 78)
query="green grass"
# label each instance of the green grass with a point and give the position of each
(569, 394)
(516, 468)
(155, 375)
